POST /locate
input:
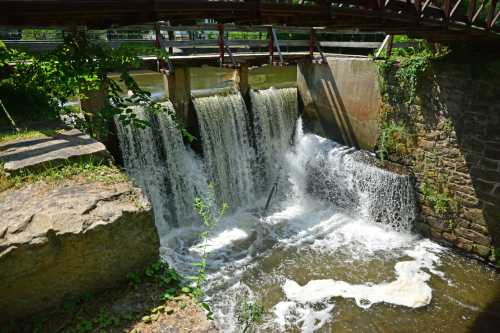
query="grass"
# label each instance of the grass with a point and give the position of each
(91, 170)
(27, 134)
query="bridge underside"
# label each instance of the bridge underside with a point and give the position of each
(448, 22)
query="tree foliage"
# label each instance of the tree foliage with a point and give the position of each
(75, 68)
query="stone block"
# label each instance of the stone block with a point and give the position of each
(479, 228)
(474, 236)
(483, 186)
(422, 228)
(449, 236)
(35, 153)
(468, 200)
(474, 215)
(481, 250)
(488, 175)
(435, 233)
(464, 244)
(465, 189)
(488, 164)
(437, 223)
(460, 222)
(426, 211)
(492, 153)
(462, 167)
(65, 240)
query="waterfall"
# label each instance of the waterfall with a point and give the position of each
(339, 208)
(351, 181)
(275, 113)
(224, 126)
(170, 174)
(243, 155)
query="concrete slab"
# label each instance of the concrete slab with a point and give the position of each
(29, 154)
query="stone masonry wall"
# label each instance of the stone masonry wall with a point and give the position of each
(452, 145)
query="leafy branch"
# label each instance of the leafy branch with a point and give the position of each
(209, 213)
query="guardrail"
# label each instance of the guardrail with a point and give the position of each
(433, 19)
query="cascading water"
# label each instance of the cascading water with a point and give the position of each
(335, 245)
(275, 113)
(240, 170)
(158, 161)
(350, 180)
(224, 127)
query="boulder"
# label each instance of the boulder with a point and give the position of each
(61, 241)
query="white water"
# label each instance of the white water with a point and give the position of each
(169, 172)
(275, 113)
(224, 127)
(338, 209)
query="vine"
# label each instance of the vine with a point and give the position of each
(400, 77)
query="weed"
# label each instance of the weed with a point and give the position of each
(134, 279)
(394, 138)
(496, 255)
(440, 200)
(27, 134)
(448, 126)
(209, 213)
(250, 313)
(91, 169)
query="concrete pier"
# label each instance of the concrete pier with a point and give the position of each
(341, 99)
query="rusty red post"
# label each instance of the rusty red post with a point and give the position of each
(312, 43)
(271, 45)
(160, 62)
(446, 9)
(491, 14)
(221, 44)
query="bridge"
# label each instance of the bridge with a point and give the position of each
(474, 21)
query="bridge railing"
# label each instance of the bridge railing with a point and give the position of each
(481, 13)
(433, 19)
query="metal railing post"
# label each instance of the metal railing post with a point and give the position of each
(221, 44)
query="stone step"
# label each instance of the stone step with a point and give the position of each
(32, 154)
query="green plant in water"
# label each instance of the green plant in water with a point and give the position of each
(207, 209)
(250, 313)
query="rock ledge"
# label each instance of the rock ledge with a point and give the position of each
(60, 241)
